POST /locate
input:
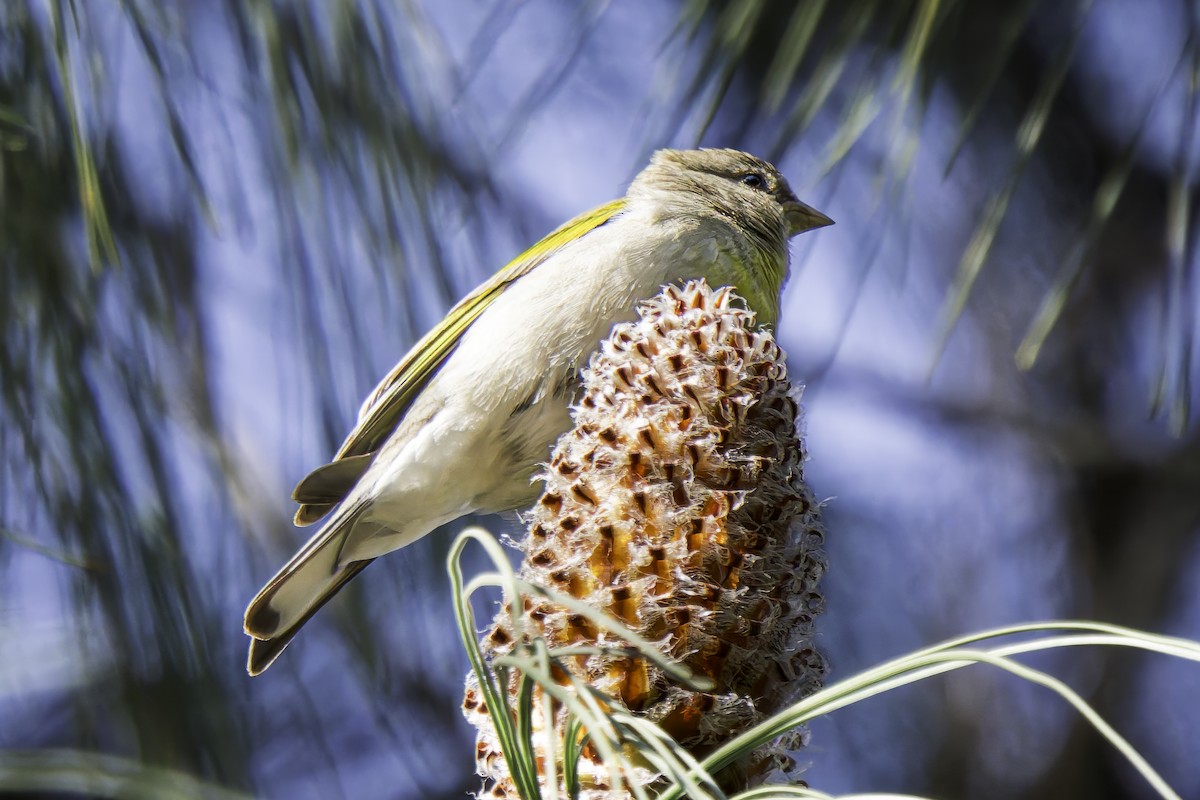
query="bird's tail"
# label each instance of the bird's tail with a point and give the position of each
(298, 591)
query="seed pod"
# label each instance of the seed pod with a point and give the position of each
(703, 538)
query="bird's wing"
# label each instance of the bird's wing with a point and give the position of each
(326, 486)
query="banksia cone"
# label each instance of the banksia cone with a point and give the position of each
(677, 505)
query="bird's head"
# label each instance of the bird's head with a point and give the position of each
(745, 189)
(746, 193)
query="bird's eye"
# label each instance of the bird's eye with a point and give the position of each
(754, 180)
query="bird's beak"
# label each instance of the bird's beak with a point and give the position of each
(802, 217)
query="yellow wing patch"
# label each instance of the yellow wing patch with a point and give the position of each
(383, 409)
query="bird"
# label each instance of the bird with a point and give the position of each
(464, 421)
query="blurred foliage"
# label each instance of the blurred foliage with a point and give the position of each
(98, 775)
(796, 60)
(117, 461)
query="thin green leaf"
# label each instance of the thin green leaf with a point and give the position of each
(674, 669)
(827, 74)
(149, 42)
(51, 553)
(101, 775)
(673, 761)
(102, 246)
(1172, 383)
(951, 655)
(1006, 41)
(586, 705)
(1112, 185)
(574, 740)
(785, 792)
(15, 130)
(549, 730)
(793, 47)
(1028, 136)
(522, 770)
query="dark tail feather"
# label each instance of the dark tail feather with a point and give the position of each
(263, 652)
